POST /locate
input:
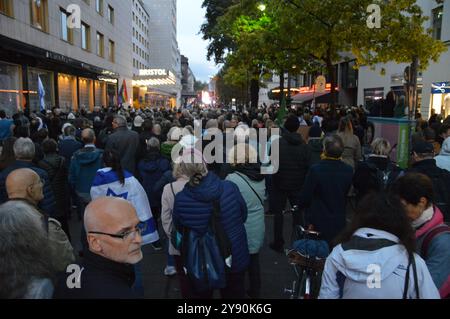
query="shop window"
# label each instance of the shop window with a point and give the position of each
(67, 92)
(6, 7)
(10, 88)
(39, 14)
(47, 80)
(372, 100)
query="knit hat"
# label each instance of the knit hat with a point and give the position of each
(315, 131)
(292, 124)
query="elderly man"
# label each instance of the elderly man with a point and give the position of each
(125, 142)
(325, 190)
(24, 151)
(114, 247)
(25, 185)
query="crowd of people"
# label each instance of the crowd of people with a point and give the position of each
(114, 169)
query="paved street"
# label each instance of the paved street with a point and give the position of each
(276, 273)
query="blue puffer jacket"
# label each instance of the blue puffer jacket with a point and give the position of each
(47, 204)
(193, 209)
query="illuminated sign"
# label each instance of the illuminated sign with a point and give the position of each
(154, 77)
(154, 72)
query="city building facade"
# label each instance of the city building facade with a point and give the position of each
(46, 55)
(160, 84)
(433, 83)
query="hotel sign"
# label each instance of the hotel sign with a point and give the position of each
(154, 77)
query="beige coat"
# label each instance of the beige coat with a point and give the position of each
(352, 151)
(61, 249)
(167, 202)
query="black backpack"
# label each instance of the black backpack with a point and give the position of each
(441, 191)
(383, 178)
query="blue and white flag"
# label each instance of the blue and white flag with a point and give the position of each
(107, 183)
(41, 93)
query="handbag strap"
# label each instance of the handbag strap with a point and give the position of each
(262, 202)
(412, 262)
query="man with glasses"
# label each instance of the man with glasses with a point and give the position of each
(114, 240)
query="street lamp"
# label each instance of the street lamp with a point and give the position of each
(262, 7)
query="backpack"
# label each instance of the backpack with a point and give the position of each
(384, 178)
(440, 229)
(441, 194)
(206, 257)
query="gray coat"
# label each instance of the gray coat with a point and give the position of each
(126, 143)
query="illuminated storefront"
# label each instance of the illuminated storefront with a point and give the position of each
(66, 83)
(67, 92)
(440, 98)
(154, 88)
(10, 87)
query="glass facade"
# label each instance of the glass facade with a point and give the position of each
(46, 78)
(86, 93)
(67, 92)
(10, 87)
(100, 93)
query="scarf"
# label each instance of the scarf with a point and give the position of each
(426, 216)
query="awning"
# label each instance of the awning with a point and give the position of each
(304, 97)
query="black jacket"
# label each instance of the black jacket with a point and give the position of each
(315, 147)
(57, 172)
(101, 278)
(293, 165)
(441, 183)
(365, 178)
(126, 143)
(324, 196)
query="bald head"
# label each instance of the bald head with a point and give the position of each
(88, 136)
(24, 183)
(107, 212)
(114, 216)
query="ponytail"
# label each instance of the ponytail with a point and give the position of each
(111, 159)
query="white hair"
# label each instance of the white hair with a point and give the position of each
(24, 149)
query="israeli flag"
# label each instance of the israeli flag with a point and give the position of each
(106, 183)
(41, 93)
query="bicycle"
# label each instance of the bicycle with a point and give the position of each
(308, 260)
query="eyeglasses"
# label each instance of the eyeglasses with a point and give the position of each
(130, 234)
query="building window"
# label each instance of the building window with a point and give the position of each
(111, 14)
(437, 22)
(85, 37)
(100, 44)
(39, 14)
(372, 100)
(66, 32)
(99, 6)
(111, 50)
(6, 7)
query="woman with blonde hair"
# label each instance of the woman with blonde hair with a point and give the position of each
(352, 146)
(193, 209)
(378, 172)
(247, 176)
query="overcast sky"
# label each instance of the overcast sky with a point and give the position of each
(190, 18)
